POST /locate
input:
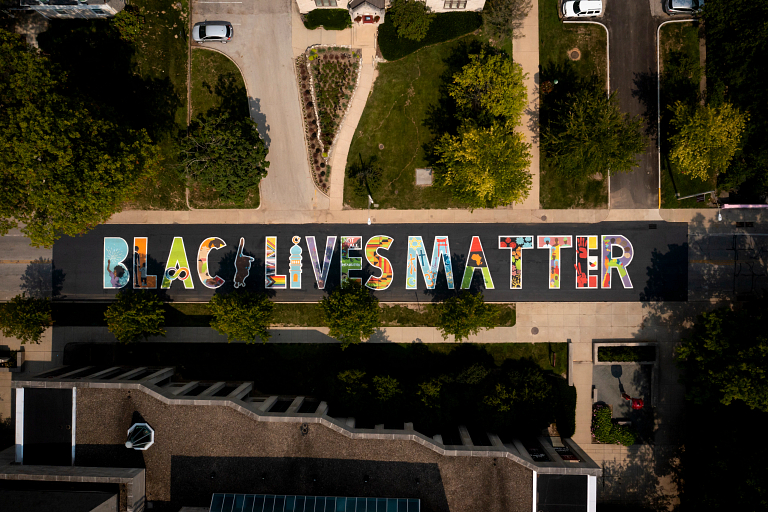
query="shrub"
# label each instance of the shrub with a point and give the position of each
(626, 354)
(242, 316)
(135, 314)
(128, 23)
(352, 381)
(445, 26)
(429, 393)
(329, 19)
(25, 318)
(565, 409)
(604, 430)
(411, 18)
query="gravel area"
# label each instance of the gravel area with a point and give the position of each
(200, 450)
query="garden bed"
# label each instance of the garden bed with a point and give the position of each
(327, 78)
(629, 354)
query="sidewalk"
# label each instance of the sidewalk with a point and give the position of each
(525, 51)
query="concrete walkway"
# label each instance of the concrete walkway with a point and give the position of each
(525, 51)
(359, 36)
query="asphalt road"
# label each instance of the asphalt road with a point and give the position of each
(261, 47)
(23, 268)
(632, 32)
(657, 270)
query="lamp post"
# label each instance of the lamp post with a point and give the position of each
(370, 202)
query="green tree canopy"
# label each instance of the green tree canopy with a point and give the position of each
(463, 315)
(411, 18)
(484, 167)
(226, 154)
(243, 316)
(25, 318)
(351, 313)
(490, 83)
(134, 315)
(707, 138)
(63, 170)
(726, 357)
(503, 17)
(589, 134)
(386, 388)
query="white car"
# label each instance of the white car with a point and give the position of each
(582, 8)
(214, 31)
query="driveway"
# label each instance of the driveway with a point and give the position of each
(632, 31)
(262, 49)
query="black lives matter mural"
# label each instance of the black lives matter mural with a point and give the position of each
(622, 261)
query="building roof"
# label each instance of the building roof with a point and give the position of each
(379, 4)
(201, 450)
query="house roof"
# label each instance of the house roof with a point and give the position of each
(376, 3)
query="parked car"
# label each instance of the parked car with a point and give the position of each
(683, 6)
(212, 31)
(583, 8)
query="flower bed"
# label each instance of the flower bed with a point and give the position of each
(628, 354)
(327, 79)
(605, 431)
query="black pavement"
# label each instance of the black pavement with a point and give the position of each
(632, 32)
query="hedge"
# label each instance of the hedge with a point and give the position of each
(565, 413)
(329, 19)
(645, 354)
(444, 27)
(604, 430)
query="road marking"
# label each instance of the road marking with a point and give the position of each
(24, 262)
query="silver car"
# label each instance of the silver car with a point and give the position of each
(212, 31)
(683, 6)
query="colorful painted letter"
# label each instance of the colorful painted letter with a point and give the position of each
(295, 264)
(417, 256)
(554, 244)
(620, 264)
(349, 243)
(115, 274)
(273, 281)
(377, 260)
(586, 265)
(203, 269)
(177, 266)
(140, 278)
(476, 260)
(321, 273)
(516, 244)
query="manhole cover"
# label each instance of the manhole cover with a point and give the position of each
(535, 330)
(574, 54)
(544, 217)
(381, 146)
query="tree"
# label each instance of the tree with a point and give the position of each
(707, 138)
(352, 380)
(25, 318)
(128, 22)
(484, 167)
(226, 154)
(386, 388)
(351, 313)
(588, 134)
(429, 393)
(135, 314)
(503, 17)
(726, 357)
(242, 315)
(492, 84)
(366, 174)
(63, 169)
(411, 18)
(462, 315)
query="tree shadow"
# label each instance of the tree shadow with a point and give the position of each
(644, 90)
(231, 265)
(667, 275)
(41, 279)
(119, 93)
(261, 120)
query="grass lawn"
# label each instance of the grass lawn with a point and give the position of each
(680, 78)
(285, 315)
(217, 85)
(394, 116)
(556, 39)
(469, 372)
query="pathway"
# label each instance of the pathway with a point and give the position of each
(525, 51)
(262, 49)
